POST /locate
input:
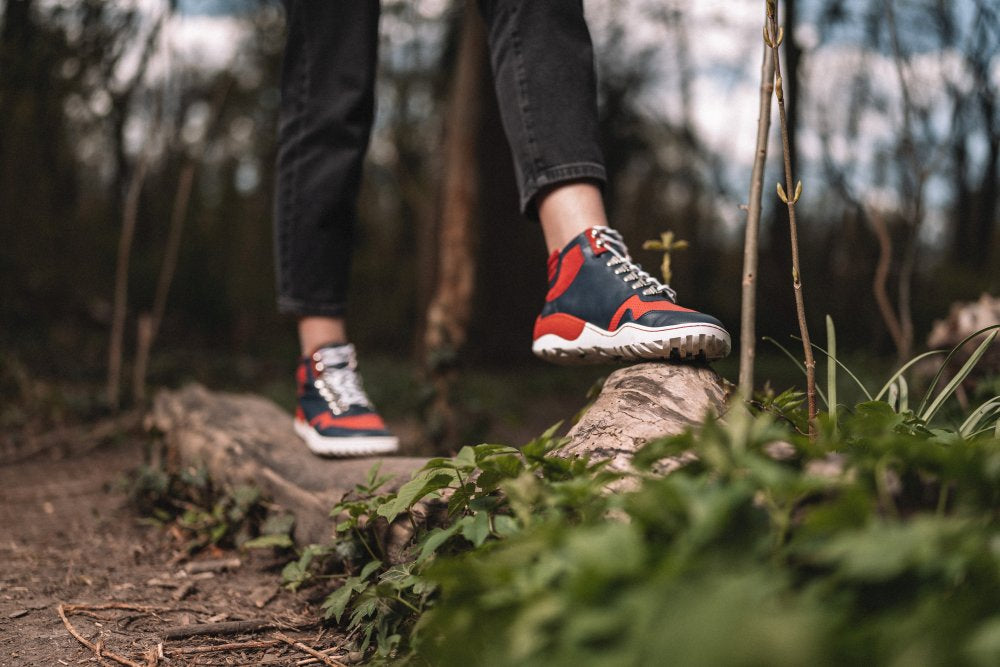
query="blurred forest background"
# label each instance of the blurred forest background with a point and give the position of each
(162, 114)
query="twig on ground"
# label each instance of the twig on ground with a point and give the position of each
(224, 628)
(326, 660)
(231, 646)
(313, 661)
(218, 565)
(98, 648)
(183, 591)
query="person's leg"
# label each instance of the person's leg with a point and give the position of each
(327, 110)
(565, 210)
(326, 115)
(601, 305)
(543, 68)
(316, 331)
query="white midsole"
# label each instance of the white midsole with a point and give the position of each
(629, 333)
(360, 445)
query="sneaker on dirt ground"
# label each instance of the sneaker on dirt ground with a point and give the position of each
(602, 306)
(334, 415)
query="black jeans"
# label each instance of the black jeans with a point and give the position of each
(542, 61)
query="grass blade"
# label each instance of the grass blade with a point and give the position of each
(904, 394)
(797, 363)
(905, 367)
(831, 370)
(963, 373)
(847, 370)
(978, 415)
(944, 364)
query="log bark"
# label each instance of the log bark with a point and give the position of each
(249, 439)
(641, 403)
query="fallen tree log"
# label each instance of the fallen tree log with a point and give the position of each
(242, 438)
(246, 438)
(641, 403)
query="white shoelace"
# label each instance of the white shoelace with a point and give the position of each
(629, 271)
(338, 382)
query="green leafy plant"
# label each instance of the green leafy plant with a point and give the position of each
(871, 540)
(896, 392)
(871, 545)
(484, 494)
(208, 514)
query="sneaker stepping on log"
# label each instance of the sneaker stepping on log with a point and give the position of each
(601, 306)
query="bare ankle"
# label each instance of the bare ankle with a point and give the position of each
(568, 209)
(315, 332)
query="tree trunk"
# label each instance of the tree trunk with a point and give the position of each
(450, 307)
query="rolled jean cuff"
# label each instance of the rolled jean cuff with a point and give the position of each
(574, 171)
(289, 306)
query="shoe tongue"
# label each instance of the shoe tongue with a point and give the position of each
(337, 356)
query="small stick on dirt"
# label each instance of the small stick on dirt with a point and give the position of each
(99, 651)
(326, 660)
(183, 591)
(113, 605)
(224, 628)
(313, 661)
(231, 646)
(199, 566)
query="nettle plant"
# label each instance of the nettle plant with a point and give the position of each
(873, 541)
(484, 494)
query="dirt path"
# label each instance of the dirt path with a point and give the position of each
(66, 536)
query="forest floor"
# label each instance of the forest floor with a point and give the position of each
(69, 537)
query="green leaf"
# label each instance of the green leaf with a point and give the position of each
(478, 529)
(423, 483)
(466, 458)
(369, 567)
(944, 364)
(983, 412)
(963, 373)
(337, 601)
(278, 524)
(280, 541)
(484, 452)
(905, 367)
(505, 525)
(983, 648)
(434, 539)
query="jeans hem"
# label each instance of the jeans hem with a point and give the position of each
(290, 306)
(573, 171)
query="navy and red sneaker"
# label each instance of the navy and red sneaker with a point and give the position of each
(334, 415)
(601, 306)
